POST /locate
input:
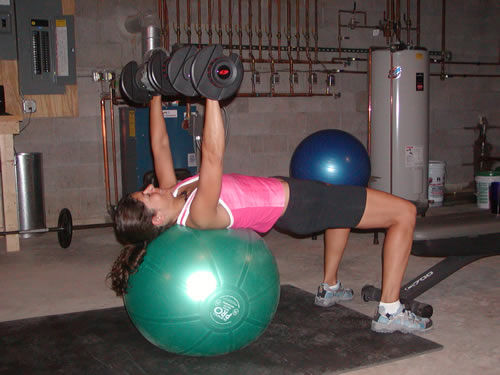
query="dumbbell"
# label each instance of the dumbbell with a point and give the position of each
(140, 83)
(214, 75)
(188, 71)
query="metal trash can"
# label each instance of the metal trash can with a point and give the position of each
(31, 206)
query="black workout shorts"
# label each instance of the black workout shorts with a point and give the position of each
(315, 206)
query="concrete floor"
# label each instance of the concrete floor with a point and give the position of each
(44, 279)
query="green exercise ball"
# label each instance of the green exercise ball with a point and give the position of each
(204, 292)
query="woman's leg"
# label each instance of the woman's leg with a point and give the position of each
(398, 216)
(335, 243)
(329, 292)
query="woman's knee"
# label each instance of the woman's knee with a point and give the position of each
(407, 214)
(384, 210)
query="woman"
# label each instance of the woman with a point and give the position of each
(213, 200)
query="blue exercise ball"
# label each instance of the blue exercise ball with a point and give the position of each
(204, 292)
(332, 156)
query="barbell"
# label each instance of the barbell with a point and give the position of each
(189, 71)
(64, 228)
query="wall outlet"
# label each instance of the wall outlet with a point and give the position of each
(103, 76)
(29, 106)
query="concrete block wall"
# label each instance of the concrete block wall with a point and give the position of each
(265, 131)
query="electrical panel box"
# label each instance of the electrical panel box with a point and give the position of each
(135, 146)
(7, 31)
(46, 47)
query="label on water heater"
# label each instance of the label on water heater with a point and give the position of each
(414, 156)
(395, 72)
(419, 82)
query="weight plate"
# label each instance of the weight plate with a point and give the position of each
(65, 228)
(179, 70)
(214, 75)
(128, 85)
(157, 73)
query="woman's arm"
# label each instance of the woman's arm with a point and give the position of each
(160, 145)
(204, 207)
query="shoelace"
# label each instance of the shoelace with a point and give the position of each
(410, 314)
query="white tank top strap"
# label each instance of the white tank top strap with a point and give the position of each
(186, 209)
(183, 216)
(187, 181)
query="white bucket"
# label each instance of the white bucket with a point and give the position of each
(483, 182)
(436, 182)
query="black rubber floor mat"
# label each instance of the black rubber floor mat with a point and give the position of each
(302, 339)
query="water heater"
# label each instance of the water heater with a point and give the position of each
(399, 122)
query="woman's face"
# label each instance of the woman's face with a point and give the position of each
(157, 199)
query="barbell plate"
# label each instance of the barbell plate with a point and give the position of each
(65, 228)
(158, 74)
(179, 70)
(214, 75)
(128, 85)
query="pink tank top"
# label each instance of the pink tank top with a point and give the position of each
(251, 202)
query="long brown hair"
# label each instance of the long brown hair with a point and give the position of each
(133, 226)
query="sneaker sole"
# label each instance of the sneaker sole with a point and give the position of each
(324, 303)
(382, 328)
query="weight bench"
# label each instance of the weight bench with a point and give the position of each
(460, 237)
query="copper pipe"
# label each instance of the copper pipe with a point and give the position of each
(209, 31)
(239, 28)
(113, 140)
(288, 29)
(289, 44)
(219, 29)
(105, 149)
(279, 95)
(164, 23)
(272, 85)
(270, 28)
(278, 34)
(408, 22)
(465, 62)
(465, 75)
(270, 40)
(306, 34)
(259, 29)
(339, 34)
(198, 27)
(310, 77)
(443, 37)
(387, 25)
(166, 39)
(392, 19)
(229, 27)
(315, 34)
(253, 77)
(307, 45)
(188, 20)
(297, 26)
(418, 23)
(249, 30)
(398, 20)
(336, 71)
(303, 61)
(178, 16)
